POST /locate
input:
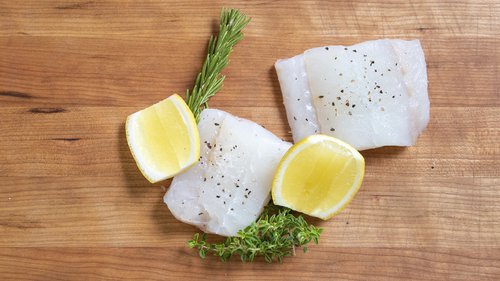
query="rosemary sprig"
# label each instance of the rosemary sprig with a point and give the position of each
(274, 235)
(209, 80)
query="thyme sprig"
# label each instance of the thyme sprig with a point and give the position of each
(275, 235)
(209, 80)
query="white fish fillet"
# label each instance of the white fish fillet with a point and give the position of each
(370, 94)
(230, 185)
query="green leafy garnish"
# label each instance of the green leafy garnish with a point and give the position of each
(275, 235)
(209, 80)
(277, 232)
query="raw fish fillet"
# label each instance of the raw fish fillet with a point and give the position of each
(230, 185)
(370, 94)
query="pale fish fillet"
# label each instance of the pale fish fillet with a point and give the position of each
(370, 94)
(230, 185)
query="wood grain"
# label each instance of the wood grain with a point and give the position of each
(176, 263)
(73, 205)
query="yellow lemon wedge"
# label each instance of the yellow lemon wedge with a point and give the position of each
(318, 176)
(163, 139)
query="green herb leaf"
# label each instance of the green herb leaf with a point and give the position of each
(209, 80)
(275, 235)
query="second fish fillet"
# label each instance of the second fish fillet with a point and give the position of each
(370, 94)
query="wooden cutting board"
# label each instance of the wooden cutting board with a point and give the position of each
(73, 205)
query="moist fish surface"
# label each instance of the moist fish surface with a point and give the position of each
(230, 185)
(369, 95)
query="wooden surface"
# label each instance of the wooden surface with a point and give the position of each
(73, 205)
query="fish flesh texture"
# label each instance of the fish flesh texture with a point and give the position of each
(230, 185)
(369, 95)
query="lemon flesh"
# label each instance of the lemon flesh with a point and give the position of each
(318, 176)
(163, 139)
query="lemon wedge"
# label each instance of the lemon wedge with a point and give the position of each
(163, 139)
(318, 176)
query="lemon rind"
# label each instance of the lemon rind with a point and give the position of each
(194, 135)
